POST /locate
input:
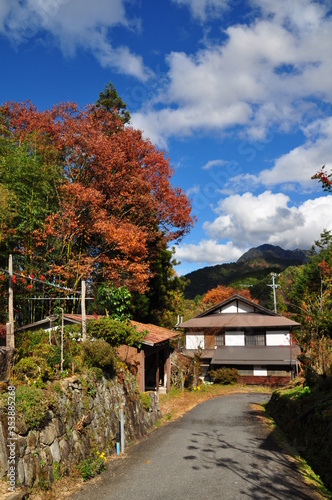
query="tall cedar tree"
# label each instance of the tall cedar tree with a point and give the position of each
(115, 199)
(109, 100)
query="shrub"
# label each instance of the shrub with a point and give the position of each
(33, 368)
(114, 332)
(25, 343)
(33, 404)
(224, 376)
(99, 354)
(54, 356)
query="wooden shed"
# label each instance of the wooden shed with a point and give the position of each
(152, 361)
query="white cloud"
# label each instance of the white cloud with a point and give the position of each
(301, 163)
(214, 163)
(249, 221)
(303, 14)
(193, 190)
(270, 72)
(208, 251)
(269, 218)
(73, 24)
(316, 214)
(201, 9)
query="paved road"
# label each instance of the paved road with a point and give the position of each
(219, 450)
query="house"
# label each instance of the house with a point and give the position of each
(150, 362)
(238, 333)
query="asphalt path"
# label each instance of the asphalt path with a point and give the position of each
(218, 450)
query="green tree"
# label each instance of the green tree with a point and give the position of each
(109, 100)
(112, 301)
(310, 291)
(29, 185)
(164, 300)
(30, 179)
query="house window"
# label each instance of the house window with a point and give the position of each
(280, 373)
(245, 372)
(255, 338)
(219, 340)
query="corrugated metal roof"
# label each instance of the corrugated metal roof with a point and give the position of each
(255, 355)
(239, 320)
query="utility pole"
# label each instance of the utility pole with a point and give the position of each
(62, 325)
(83, 312)
(10, 339)
(274, 286)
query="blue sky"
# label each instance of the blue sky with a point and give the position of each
(238, 93)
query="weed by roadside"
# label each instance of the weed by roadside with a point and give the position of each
(92, 466)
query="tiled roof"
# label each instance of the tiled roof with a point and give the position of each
(77, 318)
(156, 334)
(239, 320)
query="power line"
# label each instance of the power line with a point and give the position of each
(54, 298)
(32, 278)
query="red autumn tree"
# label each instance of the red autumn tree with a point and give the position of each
(115, 201)
(324, 178)
(221, 293)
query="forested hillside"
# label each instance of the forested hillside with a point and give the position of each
(252, 268)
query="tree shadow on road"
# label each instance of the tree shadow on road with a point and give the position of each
(260, 463)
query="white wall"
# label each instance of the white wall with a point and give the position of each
(230, 308)
(277, 338)
(259, 371)
(234, 338)
(194, 341)
(237, 307)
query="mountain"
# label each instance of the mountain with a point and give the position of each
(252, 267)
(275, 254)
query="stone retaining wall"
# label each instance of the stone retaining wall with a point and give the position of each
(82, 424)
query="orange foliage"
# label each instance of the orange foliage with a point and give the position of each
(116, 199)
(221, 293)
